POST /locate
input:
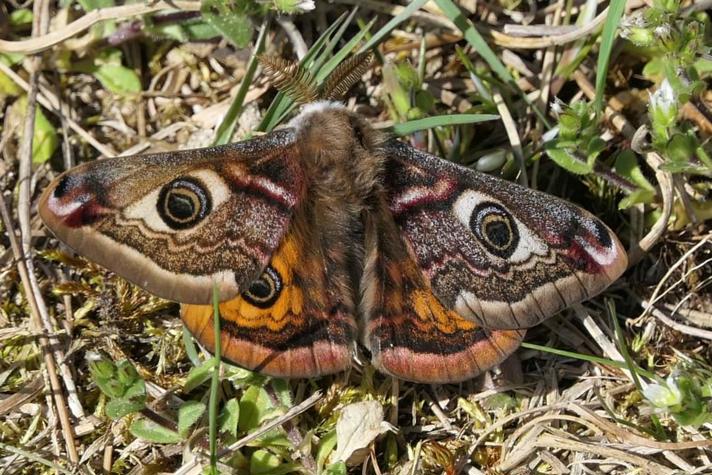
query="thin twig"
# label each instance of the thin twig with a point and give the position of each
(48, 100)
(511, 127)
(681, 327)
(583, 31)
(604, 450)
(51, 348)
(41, 43)
(538, 30)
(56, 387)
(656, 293)
(500, 39)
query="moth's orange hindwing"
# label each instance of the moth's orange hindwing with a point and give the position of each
(279, 326)
(410, 334)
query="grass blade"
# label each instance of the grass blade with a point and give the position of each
(215, 385)
(281, 104)
(381, 34)
(411, 126)
(615, 12)
(335, 60)
(582, 357)
(453, 12)
(229, 122)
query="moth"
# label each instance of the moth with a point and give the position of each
(327, 232)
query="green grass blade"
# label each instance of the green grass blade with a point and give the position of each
(281, 104)
(381, 34)
(215, 385)
(286, 105)
(331, 44)
(615, 12)
(589, 358)
(229, 122)
(335, 60)
(453, 12)
(411, 126)
(621, 343)
(190, 349)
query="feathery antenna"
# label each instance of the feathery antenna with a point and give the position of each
(299, 85)
(346, 75)
(289, 78)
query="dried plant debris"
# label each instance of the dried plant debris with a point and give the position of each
(605, 105)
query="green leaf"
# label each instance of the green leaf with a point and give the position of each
(152, 432)
(641, 195)
(192, 29)
(8, 87)
(654, 70)
(122, 384)
(681, 148)
(703, 66)
(615, 12)
(439, 121)
(263, 462)
(111, 387)
(45, 140)
(569, 162)
(119, 407)
(627, 166)
(136, 390)
(230, 19)
(188, 414)
(10, 59)
(283, 391)
(230, 417)
(173, 31)
(126, 373)
(200, 30)
(255, 406)
(20, 17)
(199, 375)
(118, 79)
(102, 369)
(191, 349)
(338, 468)
(424, 100)
(326, 447)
